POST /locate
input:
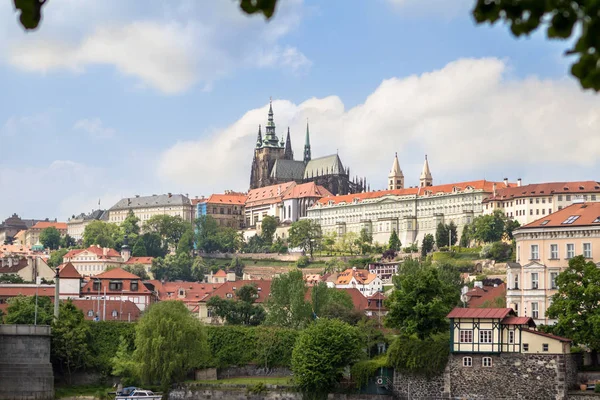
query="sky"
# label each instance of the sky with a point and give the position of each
(111, 99)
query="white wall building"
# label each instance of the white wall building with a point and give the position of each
(145, 207)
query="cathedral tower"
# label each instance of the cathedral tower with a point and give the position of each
(426, 179)
(395, 178)
(307, 146)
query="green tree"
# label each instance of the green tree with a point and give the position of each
(420, 302)
(101, 233)
(305, 234)
(206, 234)
(153, 244)
(50, 238)
(137, 269)
(139, 249)
(67, 241)
(9, 240)
(394, 242)
(465, 237)
(452, 232)
(169, 342)
(21, 310)
(509, 226)
(427, 246)
(441, 235)
(365, 241)
(286, 304)
(170, 228)
(198, 269)
(489, 228)
(56, 257)
(186, 242)
(130, 225)
(70, 337)
(11, 278)
(328, 241)
(576, 305)
(268, 226)
(228, 240)
(322, 352)
(242, 310)
(238, 267)
(173, 267)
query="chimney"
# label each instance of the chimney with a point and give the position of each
(104, 251)
(519, 182)
(170, 194)
(494, 189)
(505, 182)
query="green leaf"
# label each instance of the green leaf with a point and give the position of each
(266, 7)
(31, 12)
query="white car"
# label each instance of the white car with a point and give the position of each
(138, 394)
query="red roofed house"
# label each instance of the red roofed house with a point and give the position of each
(412, 212)
(146, 262)
(8, 291)
(486, 295)
(93, 260)
(227, 291)
(70, 282)
(32, 236)
(109, 310)
(227, 209)
(29, 267)
(367, 283)
(190, 293)
(118, 284)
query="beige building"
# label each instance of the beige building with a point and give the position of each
(227, 209)
(29, 268)
(227, 291)
(76, 224)
(145, 207)
(412, 212)
(544, 248)
(94, 260)
(32, 235)
(528, 203)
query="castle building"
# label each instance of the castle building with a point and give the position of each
(274, 163)
(396, 177)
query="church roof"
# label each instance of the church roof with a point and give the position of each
(396, 171)
(268, 194)
(309, 189)
(152, 201)
(426, 173)
(288, 169)
(319, 166)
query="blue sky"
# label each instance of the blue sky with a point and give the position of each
(111, 99)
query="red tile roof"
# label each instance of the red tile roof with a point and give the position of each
(126, 310)
(562, 339)
(221, 273)
(68, 271)
(98, 251)
(478, 296)
(232, 198)
(309, 189)
(518, 321)
(545, 189)
(268, 194)
(193, 292)
(196, 201)
(362, 276)
(46, 224)
(116, 273)
(494, 313)
(358, 299)
(140, 260)
(228, 288)
(15, 267)
(11, 290)
(481, 185)
(578, 214)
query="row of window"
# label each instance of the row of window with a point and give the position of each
(485, 362)
(570, 251)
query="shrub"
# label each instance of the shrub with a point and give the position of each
(362, 371)
(426, 357)
(105, 337)
(302, 262)
(257, 389)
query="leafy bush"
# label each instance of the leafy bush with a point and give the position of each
(302, 262)
(257, 389)
(426, 357)
(362, 371)
(105, 337)
(498, 251)
(360, 263)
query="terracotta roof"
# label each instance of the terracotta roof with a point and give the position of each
(140, 260)
(309, 189)
(98, 251)
(15, 267)
(562, 339)
(14, 248)
(495, 313)
(193, 292)
(481, 185)
(268, 194)
(578, 214)
(47, 224)
(126, 310)
(236, 198)
(545, 189)
(377, 296)
(12, 290)
(116, 273)
(478, 296)
(221, 273)
(68, 271)
(228, 288)
(358, 299)
(362, 276)
(196, 201)
(518, 321)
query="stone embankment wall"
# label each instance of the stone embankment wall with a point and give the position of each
(185, 393)
(511, 376)
(25, 369)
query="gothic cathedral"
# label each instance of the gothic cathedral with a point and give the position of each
(274, 163)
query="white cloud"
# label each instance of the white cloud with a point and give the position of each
(27, 124)
(469, 117)
(94, 128)
(168, 49)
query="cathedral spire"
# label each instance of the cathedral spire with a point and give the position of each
(271, 139)
(289, 153)
(259, 138)
(307, 145)
(426, 178)
(395, 178)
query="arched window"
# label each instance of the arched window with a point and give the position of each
(115, 314)
(90, 313)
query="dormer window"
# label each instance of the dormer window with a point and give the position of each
(134, 286)
(96, 286)
(181, 292)
(115, 285)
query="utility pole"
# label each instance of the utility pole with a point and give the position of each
(104, 307)
(56, 292)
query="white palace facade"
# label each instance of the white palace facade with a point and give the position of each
(411, 212)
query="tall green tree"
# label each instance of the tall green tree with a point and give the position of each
(56, 257)
(509, 226)
(206, 234)
(170, 228)
(137, 269)
(427, 246)
(70, 338)
(576, 305)
(50, 238)
(465, 237)
(452, 233)
(268, 226)
(102, 234)
(153, 245)
(441, 235)
(21, 310)
(321, 354)
(489, 228)
(130, 227)
(139, 249)
(420, 302)
(287, 304)
(67, 241)
(239, 311)
(186, 242)
(173, 267)
(394, 242)
(365, 240)
(306, 234)
(229, 240)
(169, 342)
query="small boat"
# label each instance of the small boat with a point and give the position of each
(132, 393)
